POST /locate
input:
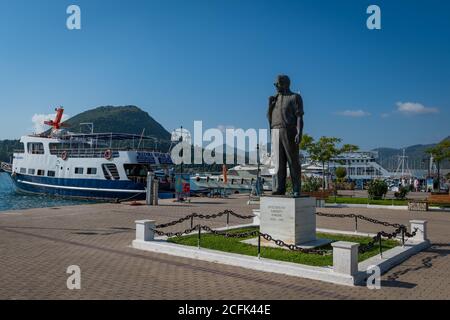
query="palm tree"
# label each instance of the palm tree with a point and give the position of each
(440, 152)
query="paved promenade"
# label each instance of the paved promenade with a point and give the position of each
(37, 246)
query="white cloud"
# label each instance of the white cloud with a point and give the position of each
(414, 108)
(38, 121)
(353, 113)
(385, 115)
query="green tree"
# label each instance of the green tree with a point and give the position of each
(324, 150)
(440, 152)
(341, 173)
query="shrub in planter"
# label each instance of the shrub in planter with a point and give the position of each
(377, 189)
(402, 192)
(308, 184)
(311, 184)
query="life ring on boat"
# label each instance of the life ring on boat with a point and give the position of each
(64, 155)
(108, 154)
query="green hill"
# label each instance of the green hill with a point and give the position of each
(123, 119)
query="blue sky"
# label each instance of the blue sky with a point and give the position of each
(216, 61)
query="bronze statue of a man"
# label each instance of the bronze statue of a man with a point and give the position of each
(286, 115)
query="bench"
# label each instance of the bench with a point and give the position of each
(439, 198)
(320, 196)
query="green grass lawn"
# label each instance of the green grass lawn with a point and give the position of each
(384, 202)
(235, 245)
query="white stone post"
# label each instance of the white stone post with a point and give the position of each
(144, 230)
(257, 217)
(345, 257)
(421, 226)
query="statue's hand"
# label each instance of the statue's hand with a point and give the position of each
(272, 100)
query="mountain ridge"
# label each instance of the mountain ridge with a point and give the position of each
(119, 119)
(417, 156)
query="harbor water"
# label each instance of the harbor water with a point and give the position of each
(11, 200)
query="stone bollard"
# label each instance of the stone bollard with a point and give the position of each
(421, 226)
(155, 191)
(149, 191)
(345, 257)
(144, 230)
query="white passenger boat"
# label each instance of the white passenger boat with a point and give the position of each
(89, 166)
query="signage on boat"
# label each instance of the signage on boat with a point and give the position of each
(146, 157)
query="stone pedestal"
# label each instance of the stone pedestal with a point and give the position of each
(292, 220)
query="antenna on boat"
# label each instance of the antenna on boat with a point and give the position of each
(403, 172)
(140, 140)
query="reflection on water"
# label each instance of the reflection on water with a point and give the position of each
(10, 200)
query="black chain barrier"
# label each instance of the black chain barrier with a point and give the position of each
(400, 229)
(359, 216)
(281, 243)
(255, 233)
(203, 216)
(294, 247)
(382, 234)
(175, 234)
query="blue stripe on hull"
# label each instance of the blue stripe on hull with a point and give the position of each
(56, 187)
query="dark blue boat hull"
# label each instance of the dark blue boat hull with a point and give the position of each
(81, 188)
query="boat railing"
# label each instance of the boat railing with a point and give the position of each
(138, 179)
(93, 152)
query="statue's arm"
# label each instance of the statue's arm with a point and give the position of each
(299, 115)
(272, 101)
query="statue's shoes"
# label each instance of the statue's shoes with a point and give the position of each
(278, 193)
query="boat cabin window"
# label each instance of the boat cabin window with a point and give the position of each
(79, 170)
(23, 170)
(110, 171)
(35, 148)
(91, 170)
(51, 173)
(41, 172)
(21, 148)
(31, 171)
(136, 170)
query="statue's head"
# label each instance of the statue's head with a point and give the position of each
(282, 83)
